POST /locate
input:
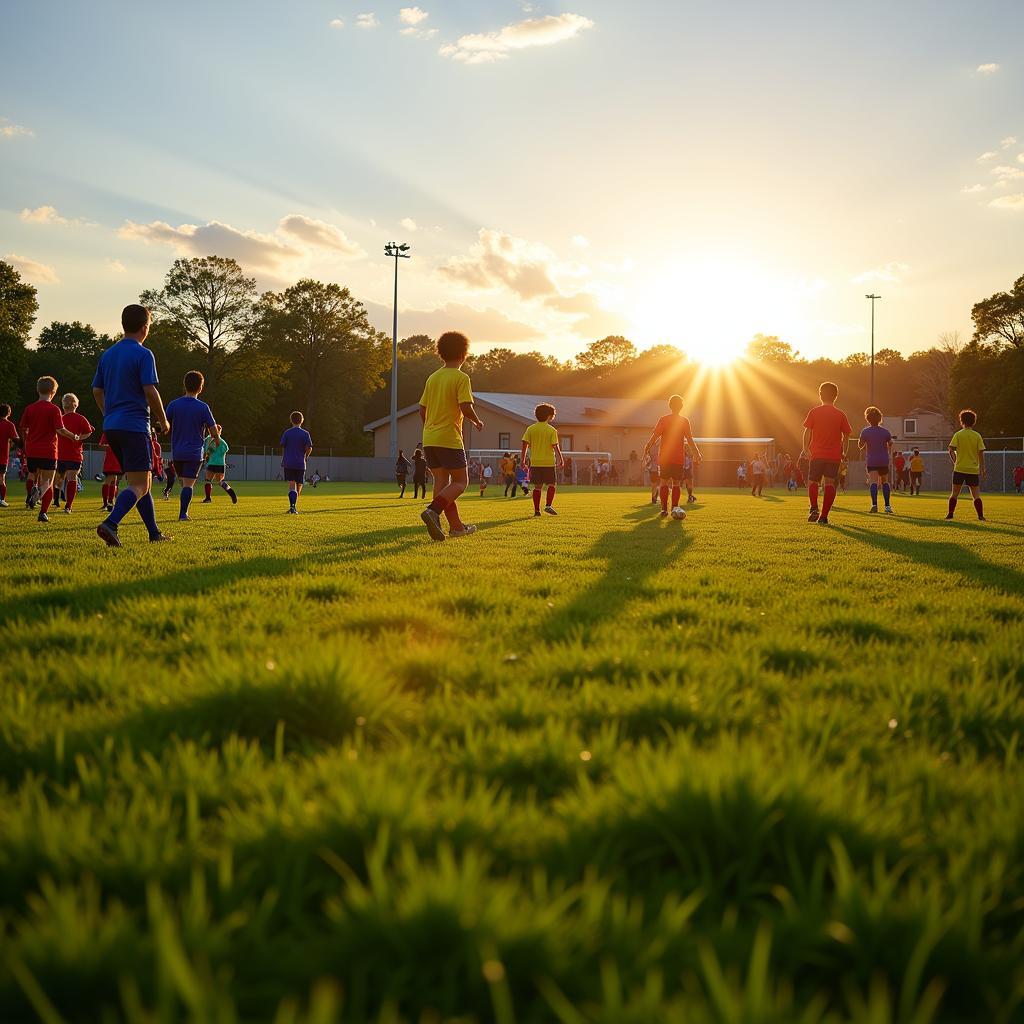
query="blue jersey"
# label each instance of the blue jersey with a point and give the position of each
(877, 441)
(123, 372)
(295, 441)
(189, 417)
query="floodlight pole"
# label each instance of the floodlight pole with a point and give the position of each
(398, 252)
(872, 298)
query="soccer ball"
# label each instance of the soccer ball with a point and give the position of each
(678, 513)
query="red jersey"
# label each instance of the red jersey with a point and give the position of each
(1018, 475)
(828, 425)
(899, 462)
(111, 467)
(8, 433)
(39, 425)
(157, 456)
(68, 450)
(673, 431)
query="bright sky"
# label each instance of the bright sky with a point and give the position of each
(688, 172)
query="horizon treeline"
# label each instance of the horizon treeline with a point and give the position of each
(311, 347)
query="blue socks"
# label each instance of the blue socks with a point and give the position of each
(184, 501)
(874, 494)
(147, 510)
(292, 497)
(886, 492)
(124, 504)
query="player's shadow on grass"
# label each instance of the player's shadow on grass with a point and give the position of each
(970, 525)
(631, 558)
(947, 556)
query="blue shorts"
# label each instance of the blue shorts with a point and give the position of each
(295, 476)
(67, 465)
(444, 458)
(187, 468)
(133, 449)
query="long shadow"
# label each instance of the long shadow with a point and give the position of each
(631, 557)
(970, 525)
(945, 556)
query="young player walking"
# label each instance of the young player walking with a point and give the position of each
(447, 399)
(8, 433)
(41, 425)
(296, 446)
(876, 442)
(190, 419)
(826, 435)
(401, 472)
(508, 473)
(69, 453)
(674, 433)
(967, 453)
(541, 439)
(215, 452)
(916, 471)
(419, 473)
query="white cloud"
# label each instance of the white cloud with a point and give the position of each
(889, 273)
(419, 33)
(987, 69)
(49, 215)
(366, 21)
(580, 241)
(1010, 140)
(970, 189)
(115, 265)
(12, 131)
(320, 235)
(487, 47)
(33, 270)
(336, 23)
(498, 260)
(408, 223)
(412, 15)
(1020, 158)
(1014, 202)
(1004, 172)
(990, 155)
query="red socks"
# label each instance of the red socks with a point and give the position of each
(830, 496)
(536, 499)
(29, 484)
(209, 490)
(675, 496)
(978, 508)
(47, 498)
(952, 505)
(69, 493)
(551, 495)
(812, 493)
(664, 497)
(451, 513)
(437, 505)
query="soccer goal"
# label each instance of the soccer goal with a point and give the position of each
(999, 467)
(580, 468)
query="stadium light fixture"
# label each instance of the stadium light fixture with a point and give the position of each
(398, 252)
(872, 298)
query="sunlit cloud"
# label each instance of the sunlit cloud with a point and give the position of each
(1004, 172)
(336, 23)
(321, 235)
(33, 270)
(1014, 202)
(580, 241)
(990, 155)
(487, 47)
(9, 130)
(971, 189)
(889, 273)
(497, 260)
(115, 266)
(1010, 140)
(49, 215)
(412, 15)
(366, 21)
(988, 69)
(408, 223)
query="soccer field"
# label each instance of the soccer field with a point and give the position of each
(599, 767)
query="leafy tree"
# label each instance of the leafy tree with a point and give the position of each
(416, 345)
(768, 348)
(75, 341)
(999, 319)
(607, 354)
(856, 359)
(18, 303)
(888, 357)
(68, 351)
(933, 371)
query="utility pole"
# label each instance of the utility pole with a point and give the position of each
(872, 298)
(400, 252)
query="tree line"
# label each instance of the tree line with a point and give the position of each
(311, 347)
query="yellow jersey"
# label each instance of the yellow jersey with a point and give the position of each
(542, 438)
(443, 393)
(508, 467)
(916, 464)
(968, 444)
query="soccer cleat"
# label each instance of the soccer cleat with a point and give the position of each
(108, 534)
(33, 498)
(206, 501)
(823, 521)
(42, 518)
(550, 511)
(3, 503)
(67, 511)
(158, 537)
(982, 519)
(432, 521)
(466, 530)
(812, 516)
(691, 499)
(874, 508)
(949, 517)
(536, 515)
(233, 497)
(167, 496)
(292, 510)
(888, 509)
(184, 519)
(663, 514)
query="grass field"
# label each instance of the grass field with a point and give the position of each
(593, 768)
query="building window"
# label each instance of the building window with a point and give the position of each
(910, 426)
(565, 442)
(505, 441)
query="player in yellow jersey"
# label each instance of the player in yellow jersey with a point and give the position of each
(541, 439)
(967, 453)
(447, 399)
(916, 471)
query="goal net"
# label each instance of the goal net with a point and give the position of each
(580, 467)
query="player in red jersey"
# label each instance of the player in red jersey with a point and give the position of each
(826, 436)
(673, 430)
(41, 425)
(8, 433)
(111, 475)
(69, 453)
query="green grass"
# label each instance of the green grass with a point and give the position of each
(598, 768)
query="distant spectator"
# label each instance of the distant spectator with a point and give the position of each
(741, 475)
(402, 468)
(1018, 479)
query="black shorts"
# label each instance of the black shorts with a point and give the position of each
(295, 476)
(68, 466)
(33, 464)
(419, 481)
(672, 471)
(880, 470)
(971, 479)
(187, 468)
(215, 469)
(509, 480)
(444, 458)
(133, 450)
(542, 475)
(916, 475)
(823, 468)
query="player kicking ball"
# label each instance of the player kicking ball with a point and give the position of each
(876, 441)
(216, 455)
(296, 446)
(967, 453)
(826, 435)
(675, 436)
(190, 419)
(541, 439)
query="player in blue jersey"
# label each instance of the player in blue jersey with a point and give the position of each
(125, 388)
(296, 444)
(190, 420)
(876, 442)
